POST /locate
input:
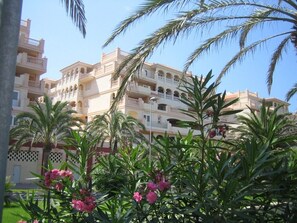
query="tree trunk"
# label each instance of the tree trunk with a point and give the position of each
(45, 158)
(10, 18)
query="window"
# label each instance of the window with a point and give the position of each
(147, 118)
(159, 119)
(13, 121)
(162, 107)
(15, 99)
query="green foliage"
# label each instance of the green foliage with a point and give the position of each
(219, 22)
(119, 129)
(193, 178)
(48, 123)
(8, 198)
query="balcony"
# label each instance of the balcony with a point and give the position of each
(36, 87)
(83, 78)
(146, 76)
(31, 46)
(159, 125)
(139, 90)
(20, 81)
(30, 65)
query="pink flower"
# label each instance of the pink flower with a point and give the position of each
(89, 204)
(212, 133)
(86, 205)
(151, 197)
(54, 174)
(159, 176)
(137, 197)
(164, 185)
(78, 205)
(152, 186)
(22, 221)
(59, 186)
(66, 173)
(84, 192)
(35, 221)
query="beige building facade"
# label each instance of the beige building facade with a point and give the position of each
(248, 101)
(28, 87)
(152, 96)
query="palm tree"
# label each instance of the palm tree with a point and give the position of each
(47, 124)
(10, 14)
(117, 128)
(268, 127)
(235, 20)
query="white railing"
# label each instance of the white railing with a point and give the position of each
(169, 96)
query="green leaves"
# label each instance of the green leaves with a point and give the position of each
(225, 20)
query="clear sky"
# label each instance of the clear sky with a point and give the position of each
(65, 45)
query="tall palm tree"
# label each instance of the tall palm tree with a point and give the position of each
(47, 124)
(235, 20)
(10, 18)
(117, 128)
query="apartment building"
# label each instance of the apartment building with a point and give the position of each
(28, 87)
(151, 97)
(251, 100)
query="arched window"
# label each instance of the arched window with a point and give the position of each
(168, 77)
(168, 94)
(176, 95)
(160, 89)
(161, 92)
(161, 75)
(113, 96)
(183, 95)
(176, 79)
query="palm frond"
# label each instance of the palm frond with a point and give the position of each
(291, 92)
(243, 52)
(274, 60)
(256, 18)
(148, 8)
(76, 10)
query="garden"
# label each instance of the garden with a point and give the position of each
(223, 174)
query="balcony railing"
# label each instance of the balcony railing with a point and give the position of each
(32, 63)
(161, 125)
(32, 44)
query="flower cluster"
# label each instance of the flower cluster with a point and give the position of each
(159, 184)
(219, 131)
(54, 178)
(84, 202)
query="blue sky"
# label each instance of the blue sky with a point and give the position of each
(65, 45)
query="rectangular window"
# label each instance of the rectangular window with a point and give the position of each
(15, 99)
(13, 121)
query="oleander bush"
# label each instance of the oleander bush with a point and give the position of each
(204, 176)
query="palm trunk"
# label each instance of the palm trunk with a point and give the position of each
(45, 158)
(10, 17)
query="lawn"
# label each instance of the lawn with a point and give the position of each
(14, 213)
